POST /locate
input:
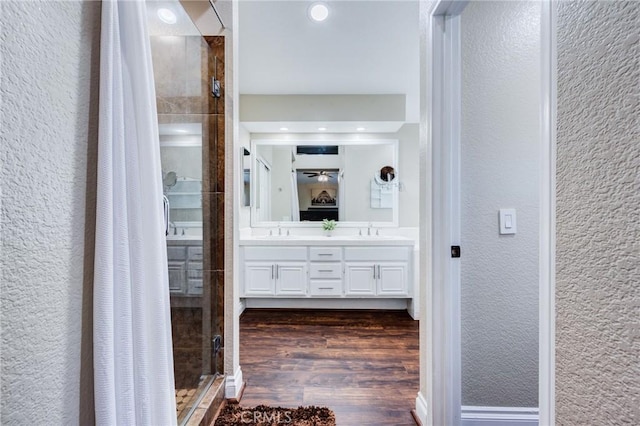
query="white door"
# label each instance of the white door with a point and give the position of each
(392, 279)
(360, 279)
(291, 278)
(259, 279)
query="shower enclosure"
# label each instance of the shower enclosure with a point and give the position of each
(188, 71)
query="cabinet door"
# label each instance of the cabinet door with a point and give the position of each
(177, 277)
(291, 279)
(259, 279)
(360, 279)
(392, 279)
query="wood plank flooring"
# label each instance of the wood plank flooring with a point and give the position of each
(364, 365)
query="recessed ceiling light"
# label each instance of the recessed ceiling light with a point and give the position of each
(318, 12)
(167, 16)
(322, 129)
(360, 129)
(284, 129)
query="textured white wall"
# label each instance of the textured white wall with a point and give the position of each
(500, 169)
(598, 214)
(50, 54)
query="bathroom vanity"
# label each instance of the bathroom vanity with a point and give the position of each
(285, 261)
(329, 272)
(184, 257)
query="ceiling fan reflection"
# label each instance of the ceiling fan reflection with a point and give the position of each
(322, 175)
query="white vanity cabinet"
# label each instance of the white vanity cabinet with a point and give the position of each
(259, 279)
(185, 267)
(338, 271)
(275, 272)
(325, 271)
(377, 271)
(360, 279)
(393, 279)
(291, 279)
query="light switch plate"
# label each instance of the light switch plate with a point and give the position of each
(508, 224)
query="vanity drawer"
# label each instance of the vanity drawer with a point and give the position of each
(325, 253)
(275, 253)
(194, 286)
(325, 288)
(367, 254)
(195, 253)
(176, 252)
(326, 270)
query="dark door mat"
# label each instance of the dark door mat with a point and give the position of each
(234, 414)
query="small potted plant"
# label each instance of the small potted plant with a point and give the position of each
(328, 226)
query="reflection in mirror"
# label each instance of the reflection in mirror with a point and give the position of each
(181, 157)
(315, 88)
(246, 177)
(317, 194)
(303, 181)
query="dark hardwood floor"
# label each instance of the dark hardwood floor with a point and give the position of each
(364, 365)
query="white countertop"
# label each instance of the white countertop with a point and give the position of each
(185, 238)
(321, 240)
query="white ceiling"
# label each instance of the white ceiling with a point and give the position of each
(182, 27)
(364, 47)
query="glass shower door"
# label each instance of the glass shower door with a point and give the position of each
(182, 63)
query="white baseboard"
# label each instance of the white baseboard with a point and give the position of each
(421, 408)
(499, 416)
(241, 307)
(413, 308)
(233, 385)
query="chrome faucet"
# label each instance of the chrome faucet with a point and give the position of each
(279, 229)
(369, 229)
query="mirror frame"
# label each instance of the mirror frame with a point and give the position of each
(342, 140)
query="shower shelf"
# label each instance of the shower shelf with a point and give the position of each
(185, 200)
(185, 194)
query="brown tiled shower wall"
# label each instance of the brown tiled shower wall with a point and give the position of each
(214, 194)
(183, 93)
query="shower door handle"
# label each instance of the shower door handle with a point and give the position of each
(166, 207)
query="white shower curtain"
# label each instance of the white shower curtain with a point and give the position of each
(133, 360)
(295, 204)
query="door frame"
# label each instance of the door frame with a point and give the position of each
(547, 271)
(439, 398)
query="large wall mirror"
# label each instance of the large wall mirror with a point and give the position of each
(300, 183)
